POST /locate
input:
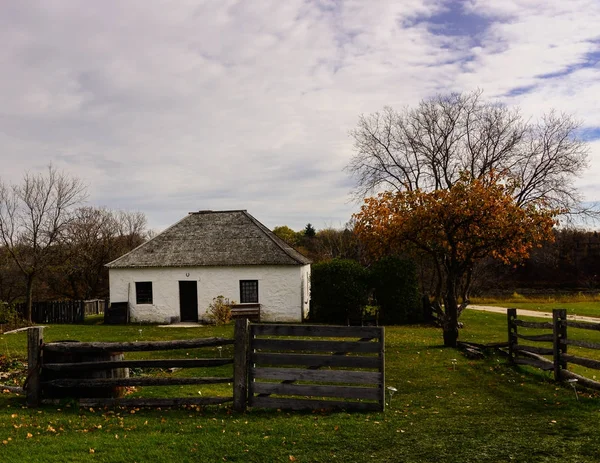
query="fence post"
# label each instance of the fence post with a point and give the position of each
(382, 369)
(35, 338)
(559, 332)
(511, 315)
(240, 364)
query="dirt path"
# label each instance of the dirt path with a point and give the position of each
(531, 313)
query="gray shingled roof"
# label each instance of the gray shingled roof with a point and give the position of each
(209, 238)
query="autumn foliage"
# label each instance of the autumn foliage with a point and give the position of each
(475, 219)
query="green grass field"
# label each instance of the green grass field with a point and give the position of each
(482, 411)
(576, 304)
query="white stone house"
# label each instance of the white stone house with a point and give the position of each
(174, 276)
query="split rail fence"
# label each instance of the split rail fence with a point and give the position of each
(552, 356)
(325, 373)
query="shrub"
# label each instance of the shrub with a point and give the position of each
(9, 316)
(339, 290)
(394, 280)
(219, 310)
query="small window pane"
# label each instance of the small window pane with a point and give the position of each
(143, 292)
(248, 291)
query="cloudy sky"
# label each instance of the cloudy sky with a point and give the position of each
(174, 106)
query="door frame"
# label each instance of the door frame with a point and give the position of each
(182, 300)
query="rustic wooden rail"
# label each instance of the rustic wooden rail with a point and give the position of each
(525, 354)
(274, 366)
(534, 356)
(277, 363)
(40, 388)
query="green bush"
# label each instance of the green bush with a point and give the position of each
(339, 290)
(9, 317)
(219, 310)
(394, 280)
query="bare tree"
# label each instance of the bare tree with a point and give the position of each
(33, 217)
(429, 147)
(94, 237)
(131, 227)
(433, 145)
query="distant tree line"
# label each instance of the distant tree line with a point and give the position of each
(74, 268)
(570, 263)
(51, 246)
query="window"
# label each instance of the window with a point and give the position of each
(248, 291)
(143, 292)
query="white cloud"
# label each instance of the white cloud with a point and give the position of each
(169, 107)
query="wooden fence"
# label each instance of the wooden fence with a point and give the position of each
(556, 342)
(63, 311)
(255, 366)
(70, 373)
(279, 361)
(95, 306)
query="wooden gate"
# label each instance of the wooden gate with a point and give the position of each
(293, 367)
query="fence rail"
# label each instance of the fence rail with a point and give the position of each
(268, 371)
(559, 339)
(277, 363)
(47, 377)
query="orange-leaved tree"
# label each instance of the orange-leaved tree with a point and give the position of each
(475, 219)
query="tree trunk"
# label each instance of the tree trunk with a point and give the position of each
(29, 297)
(450, 325)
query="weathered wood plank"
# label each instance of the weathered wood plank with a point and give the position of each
(347, 392)
(536, 337)
(139, 381)
(535, 350)
(172, 402)
(315, 360)
(511, 317)
(304, 404)
(382, 371)
(35, 339)
(136, 346)
(316, 346)
(584, 362)
(583, 325)
(534, 360)
(526, 324)
(240, 370)
(582, 380)
(158, 363)
(13, 389)
(334, 376)
(575, 342)
(535, 363)
(318, 331)
(559, 332)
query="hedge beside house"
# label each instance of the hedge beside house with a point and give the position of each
(339, 291)
(394, 280)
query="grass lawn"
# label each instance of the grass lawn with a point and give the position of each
(578, 304)
(483, 411)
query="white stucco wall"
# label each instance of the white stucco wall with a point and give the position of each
(283, 291)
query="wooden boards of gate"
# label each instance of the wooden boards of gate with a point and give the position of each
(316, 367)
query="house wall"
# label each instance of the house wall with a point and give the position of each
(283, 291)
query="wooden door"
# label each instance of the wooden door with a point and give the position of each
(188, 301)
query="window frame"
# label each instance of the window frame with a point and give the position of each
(144, 295)
(245, 292)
